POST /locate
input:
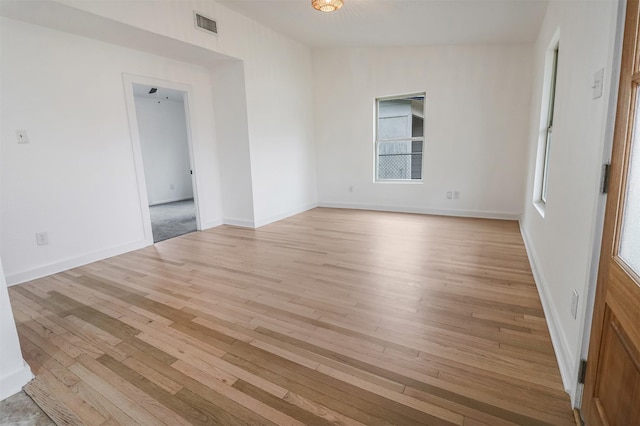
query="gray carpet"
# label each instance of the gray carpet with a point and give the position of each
(172, 219)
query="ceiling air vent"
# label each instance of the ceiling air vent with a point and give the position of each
(205, 23)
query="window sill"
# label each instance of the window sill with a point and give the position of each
(541, 207)
(396, 182)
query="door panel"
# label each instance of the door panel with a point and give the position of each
(619, 384)
(612, 386)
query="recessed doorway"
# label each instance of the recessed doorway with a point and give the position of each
(164, 140)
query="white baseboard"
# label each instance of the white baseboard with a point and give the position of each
(419, 210)
(277, 217)
(53, 268)
(13, 383)
(171, 200)
(211, 224)
(558, 338)
(262, 222)
(239, 222)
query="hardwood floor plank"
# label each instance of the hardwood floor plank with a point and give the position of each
(312, 393)
(116, 391)
(155, 377)
(337, 317)
(224, 388)
(45, 345)
(431, 409)
(182, 379)
(81, 408)
(181, 405)
(368, 401)
(104, 406)
(36, 355)
(50, 403)
(74, 346)
(303, 415)
(321, 411)
(290, 356)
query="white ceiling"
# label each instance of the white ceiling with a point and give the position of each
(399, 22)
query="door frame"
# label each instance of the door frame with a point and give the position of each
(129, 80)
(613, 82)
(611, 231)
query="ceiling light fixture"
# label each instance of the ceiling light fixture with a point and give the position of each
(327, 5)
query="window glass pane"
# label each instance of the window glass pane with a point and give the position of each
(416, 159)
(630, 236)
(417, 127)
(394, 160)
(394, 127)
(545, 166)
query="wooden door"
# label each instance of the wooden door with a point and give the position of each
(612, 387)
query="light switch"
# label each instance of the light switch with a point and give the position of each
(22, 136)
(598, 82)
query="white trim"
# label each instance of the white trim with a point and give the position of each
(558, 338)
(540, 207)
(613, 83)
(212, 224)
(376, 141)
(13, 383)
(277, 217)
(239, 222)
(420, 210)
(262, 222)
(136, 145)
(401, 181)
(172, 200)
(53, 268)
(548, 79)
(189, 121)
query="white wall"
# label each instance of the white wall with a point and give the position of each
(283, 156)
(78, 172)
(165, 150)
(278, 88)
(230, 102)
(76, 178)
(14, 372)
(477, 111)
(561, 244)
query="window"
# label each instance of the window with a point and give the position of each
(549, 127)
(399, 138)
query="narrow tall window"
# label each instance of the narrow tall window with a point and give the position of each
(548, 136)
(399, 138)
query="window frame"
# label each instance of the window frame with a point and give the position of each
(547, 125)
(412, 139)
(544, 183)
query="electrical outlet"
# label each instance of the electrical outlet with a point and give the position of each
(449, 195)
(574, 303)
(351, 188)
(456, 195)
(42, 238)
(22, 136)
(172, 186)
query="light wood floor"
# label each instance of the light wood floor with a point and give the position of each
(331, 316)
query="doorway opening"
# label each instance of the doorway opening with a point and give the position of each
(161, 115)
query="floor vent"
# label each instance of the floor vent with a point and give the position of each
(205, 23)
